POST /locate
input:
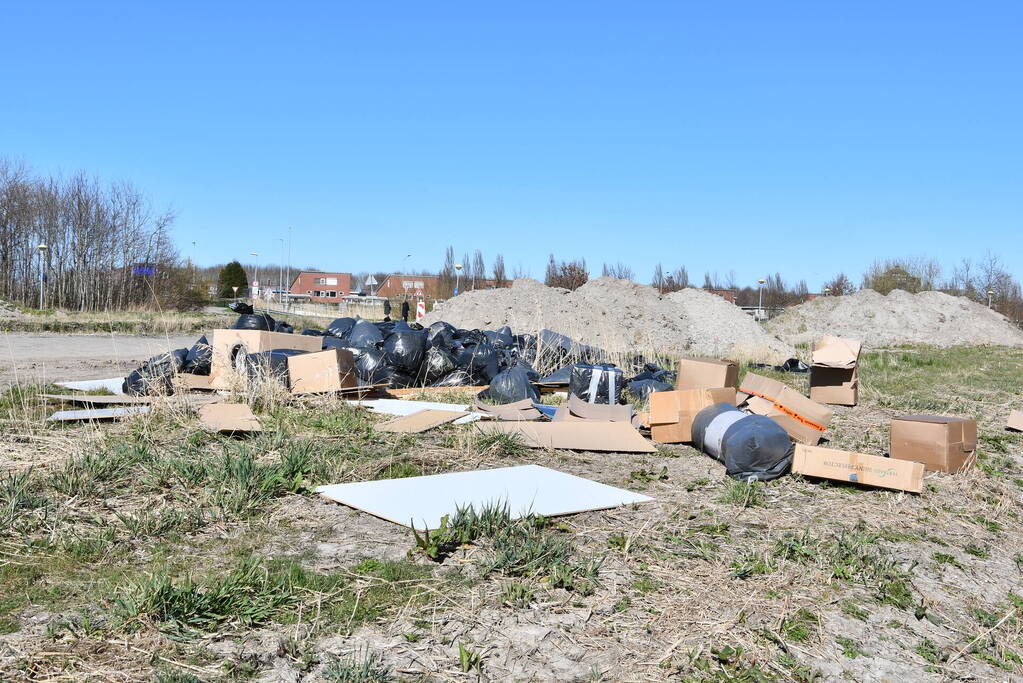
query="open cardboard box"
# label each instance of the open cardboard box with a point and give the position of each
(228, 345)
(941, 443)
(804, 420)
(322, 372)
(834, 373)
(672, 412)
(706, 373)
(859, 468)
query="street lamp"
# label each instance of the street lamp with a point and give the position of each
(255, 277)
(42, 274)
(458, 276)
(827, 290)
(280, 274)
(760, 306)
(990, 293)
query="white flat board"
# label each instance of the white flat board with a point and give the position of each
(114, 385)
(395, 406)
(526, 489)
(96, 414)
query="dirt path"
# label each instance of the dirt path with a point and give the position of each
(30, 358)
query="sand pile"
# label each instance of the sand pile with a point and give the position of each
(619, 316)
(899, 318)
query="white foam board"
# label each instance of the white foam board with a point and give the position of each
(394, 406)
(526, 489)
(114, 385)
(96, 414)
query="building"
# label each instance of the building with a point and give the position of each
(322, 287)
(728, 295)
(397, 285)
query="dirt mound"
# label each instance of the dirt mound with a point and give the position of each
(898, 318)
(619, 316)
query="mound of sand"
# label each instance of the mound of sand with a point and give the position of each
(898, 318)
(619, 316)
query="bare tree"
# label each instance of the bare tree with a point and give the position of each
(840, 285)
(500, 277)
(479, 269)
(618, 270)
(658, 280)
(567, 274)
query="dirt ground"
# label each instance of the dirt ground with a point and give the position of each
(40, 358)
(127, 554)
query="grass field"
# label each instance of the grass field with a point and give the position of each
(151, 550)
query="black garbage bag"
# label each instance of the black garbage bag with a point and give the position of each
(398, 380)
(440, 333)
(312, 332)
(370, 366)
(404, 350)
(480, 361)
(601, 383)
(642, 388)
(199, 358)
(470, 337)
(437, 363)
(156, 375)
(655, 372)
(335, 343)
(791, 365)
(510, 385)
(241, 308)
(501, 339)
(560, 376)
(455, 378)
(284, 327)
(416, 326)
(752, 447)
(270, 365)
(255, 321)
(341, 327)
(365, 334)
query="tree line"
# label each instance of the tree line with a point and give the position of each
(90, 246)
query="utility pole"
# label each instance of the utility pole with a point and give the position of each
(42, 274)
(255, 279)
(280, 273)
(289, 258)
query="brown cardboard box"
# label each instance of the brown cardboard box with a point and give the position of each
(804, 420)
(229, 418)
(706, 373)
(942, 444)
(860, 468)
(321, 372)
(227, 343)
(575, 436)
(672, 412)
(578, 410)
(1015, 421)
(834, 374)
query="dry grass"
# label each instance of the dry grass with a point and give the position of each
(149, 548)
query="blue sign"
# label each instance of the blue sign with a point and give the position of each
(144, 270)
(456, 291)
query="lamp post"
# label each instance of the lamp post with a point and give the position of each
(760, 306)
(42, 274)
(280, 274)
(193, 264)
(827, 290)
(458, 276)
(255, 277)
(990, 293)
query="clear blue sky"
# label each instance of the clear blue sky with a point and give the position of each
(800, 137)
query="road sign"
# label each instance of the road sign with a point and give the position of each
(419, 293)
(420, 310)
(370, 281)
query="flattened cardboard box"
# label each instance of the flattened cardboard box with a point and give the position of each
(229, 418)
(579, 410)
(941, 443)
(672, 412)
(804, 420)
(227, 343)
(322, 372)
(1015, 421)
(859, 468)
(706, 373)
(615, 437)
(421, 421)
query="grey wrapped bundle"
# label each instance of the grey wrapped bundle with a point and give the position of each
(750, 446)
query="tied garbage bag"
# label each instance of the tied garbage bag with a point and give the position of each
(312, 332)
(502, 339)
(156, 375)
(596, 383)
(642, 388)
(438, 363)
(199, 358)
(255, 321)
(341, 327)
(455, 378)
(370, 366)
(240, 307)
(480, 361)
(750, 446)
(270, 365)
(404, 350)
(365, 334)
(440, 334)
(655, 372)
(510, 385)
(284, 327)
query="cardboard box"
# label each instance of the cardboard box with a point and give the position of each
(1015, 421)
(321, 372)
(574, 436)
(942, 444)
(226, 345)
(834, 374)
(229, 418)
(804, 420)
(672, 412)
(859, 468)
(706, 373)
(578, 410)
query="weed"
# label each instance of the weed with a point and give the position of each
(500, 445)
(751, 564)
(516, 594)
(358, 667)
(398, 470)
(800, 627)
(976, 551)
(93, 474)
(17, 496)
(469, 660)
(646, 476)
(930, 651)
(697, 484)
(646, 584)
(746, 494)
(851, 609)
(945, 558)
(850, 648)
(623, 604)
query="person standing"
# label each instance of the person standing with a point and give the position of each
(404, 310)
(387, 309)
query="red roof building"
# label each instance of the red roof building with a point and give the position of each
(322, 287)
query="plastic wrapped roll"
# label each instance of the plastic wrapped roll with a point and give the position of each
(750, 446)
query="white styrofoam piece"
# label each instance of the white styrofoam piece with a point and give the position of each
(97, 414)
(395, 406)
(115, 385)
(526, 489)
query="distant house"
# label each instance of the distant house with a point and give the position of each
(398, 285)
(728, 295)
(322, 287)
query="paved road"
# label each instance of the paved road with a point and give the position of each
(28, 358)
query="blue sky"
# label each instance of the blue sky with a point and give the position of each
(801, 137)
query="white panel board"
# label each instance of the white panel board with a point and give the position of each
(96, 414)
(114, 385)
(394, 406)
(526, 489)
